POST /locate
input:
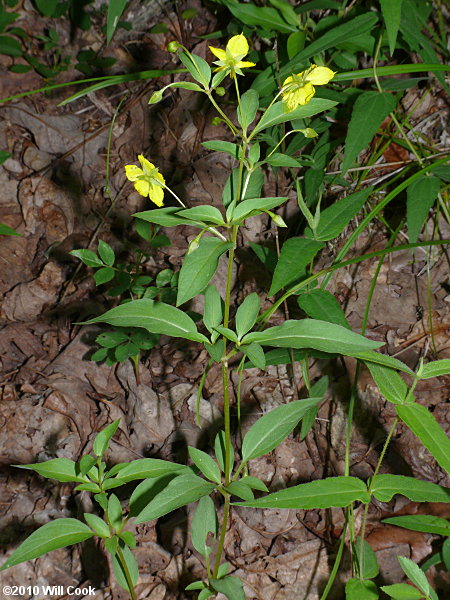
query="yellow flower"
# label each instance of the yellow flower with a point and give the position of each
(149, 181)
(230, 59)
(299, 89)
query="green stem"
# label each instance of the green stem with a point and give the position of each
(233, 128)
(124, 565)
(337, 562)
(226, 513)
(370, 488)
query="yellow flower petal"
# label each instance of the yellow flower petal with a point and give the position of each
(320, 75)
(221, 54)
(142, 187)
(298, 96)
(132, 172)
(160, 178)
(146, 164)
(287, 81)
(245, 63)
(156, 194)
(238, 46)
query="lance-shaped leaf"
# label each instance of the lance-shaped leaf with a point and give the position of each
(425, 427)
(56, 534)
(295, 255)
(277, 113)
(166, 217)
(392, 10)
(326, 493)
(271, 429)
(310, 333)
(402, 591)
(247, 108)
(230, 587)
(435, 369)
(205, 464)
(199, 266)
(146, 468)
(321, 304)
(421, 195)
(425, 523)
(389, 382)
(203, 524)
(336, 217)
(156, 317)
(102, 439)
(247, 314)
(61, 469)
(369, 111)
(356, 589)
(222, 146)
(252, 207)
(181, 490)
(206, 214)
(132, 568)
(386, 486)
(213, 311)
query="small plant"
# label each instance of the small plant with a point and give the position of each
(239, 337)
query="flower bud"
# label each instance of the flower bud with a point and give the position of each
(216, 121)
(309, 133)
(173, 46)
(220, 91)
(276, 219)
(156, 97)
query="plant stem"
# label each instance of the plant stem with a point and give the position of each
(337, 562)
(370, 488)
(226, 513)
(124, 566)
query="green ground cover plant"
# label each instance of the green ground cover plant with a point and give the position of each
(283, 121)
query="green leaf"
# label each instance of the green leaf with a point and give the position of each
(322, 305)
(392, 10)
(88, 257)
(383, 359)
(425, 523)
(279, 356)
(219, 450)
(156, 317)
(277, 113)
(206, 464)
(424, 426)
(445, 554)
(240, 489)
(435, 369)
(295, 255)
(132, 567)
(145, 468)
(86, 463)
(115, 10)
(106, 253)
(6, 230)
(272, 428)
(282, 160)
(252, 207)
(220, 146)
(335, 218)
(114, 511)
(102, 439)
(389, 382)
(247, 313)
(103, 275)
(369, 111)
(128, 538)
(266, 255)
(255, 354)
(421, 195)
(98, 525)
(111, 339)
(197, 67)
(231, 587)
(61, 469)
(415, 574)
(311, 333)
(247, 108)
(265, 17)
(204, 523)
(166, 217)
(325, 493)
(199, 266)
(355, 589)
(51, 536)
(265, 83)
(254, 186)
(47, 7)
(205, 213)
(228, 333)
(370, 562)
(212, 312)
(402, 591)
(10, 46)
(386, 486)
(254, 483)
(182, 490)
